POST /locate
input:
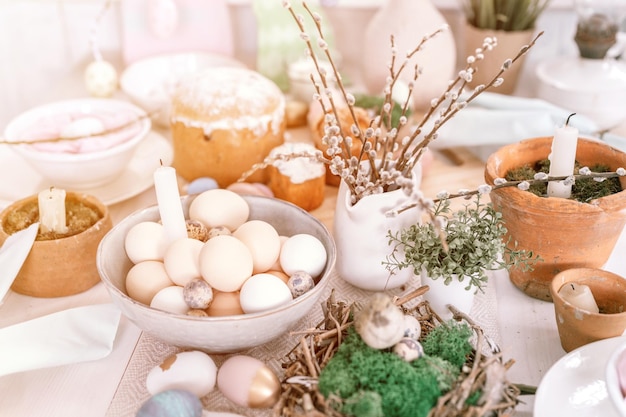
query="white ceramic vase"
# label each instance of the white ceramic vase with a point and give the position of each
(440, 295)
(360, 233)
(409, 21)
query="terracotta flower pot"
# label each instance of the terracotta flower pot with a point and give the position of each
(565, 233)
(64, 266)
(578, 327)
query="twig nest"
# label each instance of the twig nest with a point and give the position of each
(380, 322)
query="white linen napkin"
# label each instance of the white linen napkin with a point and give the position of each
(13, 253)
(70, 336)
(498, 119)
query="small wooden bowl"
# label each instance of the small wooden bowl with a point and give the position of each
(64, 266)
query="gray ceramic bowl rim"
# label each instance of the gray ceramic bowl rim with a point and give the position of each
(319, 286)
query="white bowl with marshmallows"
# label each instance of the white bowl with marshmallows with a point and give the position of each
(79, 144)
(162, 288)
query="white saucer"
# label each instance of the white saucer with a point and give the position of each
(20, 180)
(576, 386)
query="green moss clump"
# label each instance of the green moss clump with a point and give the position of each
(584, 190)
(445, 372)
(449, 342)
(356, 367)
(364, 404)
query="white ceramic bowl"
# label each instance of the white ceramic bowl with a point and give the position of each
(150, 82)
(595, 88)
(215, 334)
(79, 170)
(612, 381)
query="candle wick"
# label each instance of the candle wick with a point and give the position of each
(573, 286)
(569, 117)
(160, 162)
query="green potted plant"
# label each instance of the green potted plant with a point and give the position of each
(454, 251)
(511, 22)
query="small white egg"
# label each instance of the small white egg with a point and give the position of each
(145, 241)
(262, 240)
(192, 371)
(303, 252)
(263, 292)
(198, 294)
(248, 382)
(170, 299)
(219, 207)
(145, 279)
(225, 263)
(182, 260)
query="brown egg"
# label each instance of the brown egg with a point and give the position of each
(224, 304)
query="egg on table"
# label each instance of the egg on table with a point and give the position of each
(192, 371)
(248, 382)
(171, 403)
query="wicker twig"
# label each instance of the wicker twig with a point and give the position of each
(483, 372)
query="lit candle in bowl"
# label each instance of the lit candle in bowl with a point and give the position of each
(52, 210)
(170, 207)
(562, 159)
(580, 296)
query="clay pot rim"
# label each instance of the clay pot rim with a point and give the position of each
(558, 282)
(90, 199)
(613, 202)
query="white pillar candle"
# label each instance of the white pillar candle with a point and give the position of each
(580, 296)
(170, 207)
(562, 158)
(52, 210)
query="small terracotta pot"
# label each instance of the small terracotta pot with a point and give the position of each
(565, 233)
(60, 267)
(578, 327)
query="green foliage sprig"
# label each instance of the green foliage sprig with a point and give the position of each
(507, 15)
(460, 245)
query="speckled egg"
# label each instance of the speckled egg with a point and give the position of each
(198, 294)
(408, 349)
(171, 403)
(303, 252)
(219, 231)
(192, 371)
(219, 207)
(412, 327)
(248, 382)
(300, 283)
(196, 230)
(145, 279)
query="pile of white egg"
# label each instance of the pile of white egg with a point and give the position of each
(227, 265)
(177, 384)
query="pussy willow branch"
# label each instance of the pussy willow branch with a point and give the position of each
(414, 155)
(469, 193)
(71, 138)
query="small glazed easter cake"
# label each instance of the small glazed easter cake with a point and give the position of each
(224, 120)
(317, 127)
(300, 180)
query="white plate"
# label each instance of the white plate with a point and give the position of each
(20, 180)
(576, 386)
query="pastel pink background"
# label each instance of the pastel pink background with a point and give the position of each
(202, 26)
